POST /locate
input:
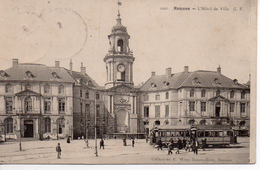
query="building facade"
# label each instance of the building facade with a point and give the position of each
(199, 97)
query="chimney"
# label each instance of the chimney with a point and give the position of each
(71, 66)
(219, 69)
(57, 63)
(82, 69)
(153, 73)
(186, 69)
(168, 72)
(15, 62)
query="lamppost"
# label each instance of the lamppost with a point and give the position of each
(20, 130)
(95, 112)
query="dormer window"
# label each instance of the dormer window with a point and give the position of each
(166, 83)
(196, 80)
(153, 85)
(29, 74)
(235, 81)
(216, 81)
(89, 83)
(3, 73)
(55, 75)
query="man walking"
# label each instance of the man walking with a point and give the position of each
(133, 142)
(102, 143)
(58, 150)
(159, 144)
(178, 146)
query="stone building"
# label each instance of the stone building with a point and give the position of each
(36, 103)
(199, 97)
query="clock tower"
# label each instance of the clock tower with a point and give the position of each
(119, 59)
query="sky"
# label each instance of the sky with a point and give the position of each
(47, 30)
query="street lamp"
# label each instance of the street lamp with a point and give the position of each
(95, 112)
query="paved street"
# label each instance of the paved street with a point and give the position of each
(43, 152)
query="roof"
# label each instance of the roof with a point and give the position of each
(37, 72)
(84, 79)
(200, 78)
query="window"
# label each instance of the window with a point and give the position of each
(98, 110)
(61, 124)
(192, 93)
(61, 105)
(146, 122)
(47, 125)
(80, 92)
(61, 89)
(97, 96)
(232, 94)
(87, 111)
(203, 106)
(218, 93)
(192, 105)
(157, 111)
(55, 75)
(28, 104)
(203, 93)
(242, 108)
(87, 95)
(166, 122)
(120, 45)
(146, 97)
(153, 85)
(9, 104)
(46, 88)
(8, 88)
(157, 97)
(47, 105)
(9, 125)
(146, 111)
(243, 94)
(167, 95)
(28, 87)
(166, 110)
(232, 107)
(29, 74)
(157, 122)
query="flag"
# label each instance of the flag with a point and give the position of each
(119, 3)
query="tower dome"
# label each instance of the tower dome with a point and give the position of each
(119, 28)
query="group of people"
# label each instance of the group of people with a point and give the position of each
(188, 145)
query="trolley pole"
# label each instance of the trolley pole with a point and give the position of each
(20, 136)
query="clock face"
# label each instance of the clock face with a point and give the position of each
(121, 68)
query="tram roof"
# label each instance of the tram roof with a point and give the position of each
(172, 127)
(200, 127)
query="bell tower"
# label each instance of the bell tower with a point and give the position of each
(119, 59)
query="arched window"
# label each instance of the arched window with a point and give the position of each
(47, 125)
(120, 45)
(191, 122)
(232, 94)
(203, 93)
(8, 88)
(28, 104)
(9, 125)
(192, 93)
(203, 122)
(46, 88)
(61, 89)
(28, 87)
(157, 122)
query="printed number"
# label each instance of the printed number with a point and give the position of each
(163, 8)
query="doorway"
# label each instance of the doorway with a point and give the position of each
(28, 128)
(217, 111)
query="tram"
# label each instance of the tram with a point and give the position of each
(216, 135)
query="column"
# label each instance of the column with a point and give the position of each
(109, 70)
(131, 72)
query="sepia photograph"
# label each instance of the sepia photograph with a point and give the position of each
(120, 82)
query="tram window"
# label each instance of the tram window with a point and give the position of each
(162, 134)
(156, 134)
(181, 134)
(168, 134)
(216, 134)
(187, 134)
(200, 134)
(173, 134)
(207, 134)
(228, 133)
(220, 133)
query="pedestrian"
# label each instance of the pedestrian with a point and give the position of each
(159, 144)
(204, 144)
(102, 144)
(178, 146)
(195, 147)
(86, 142)
(146, 139)
(124, 141)
(58, 150)
(170, 146)
(68, 139)
(133, 142)
(188, 146)
(184, 142)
